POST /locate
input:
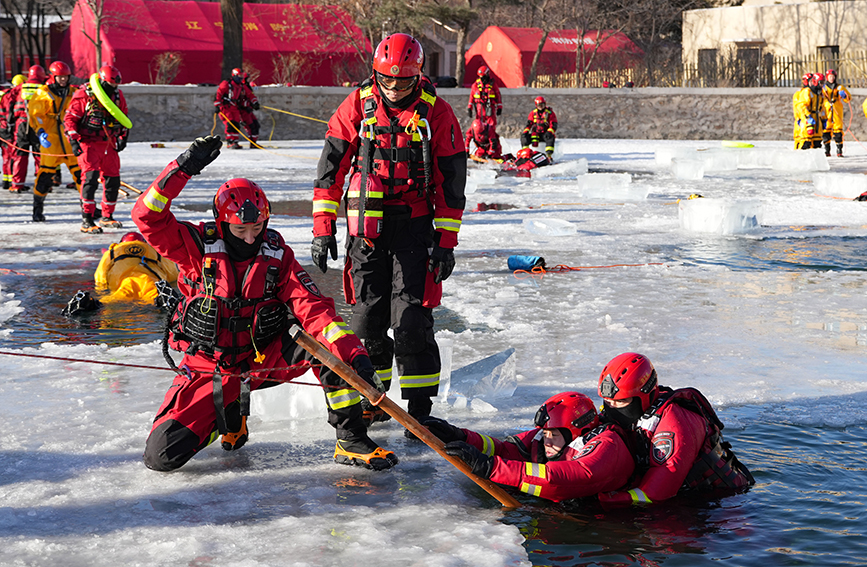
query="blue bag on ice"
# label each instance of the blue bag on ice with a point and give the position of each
(525, 262)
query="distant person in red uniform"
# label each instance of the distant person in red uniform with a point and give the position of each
(96, 138)
(228, 101)
(568, 455)
(486, 140)
(247, 105)
(24, 138)
(243, 289)
(7, 134)
(485, 100)
(541, 127)
(679, 436)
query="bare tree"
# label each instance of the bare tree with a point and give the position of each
(233, 35)
(462, 13)
(30, 36)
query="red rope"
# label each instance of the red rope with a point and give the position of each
(541, 271)
(7, 142)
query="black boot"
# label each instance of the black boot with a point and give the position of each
(354, 447)
(38, 204)
(839, 150)
(87, 224)
(417, 407)
(827, 150)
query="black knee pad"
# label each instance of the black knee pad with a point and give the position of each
(169, 446)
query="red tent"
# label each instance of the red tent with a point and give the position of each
(135, 32)
(508, 53)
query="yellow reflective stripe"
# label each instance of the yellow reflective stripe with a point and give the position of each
(639, 497)
(384, 375)
(154, 201)
(428, 98)
(487, 445)
(324, 206)
(336, 330)
(367, 213)
(365, 92)
(371, 120)
(342, 398)
(531, 489)
(371, 194)
(420, 381)
(536, 469)
(453, 225)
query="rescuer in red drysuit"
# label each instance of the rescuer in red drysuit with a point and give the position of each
(227, 105)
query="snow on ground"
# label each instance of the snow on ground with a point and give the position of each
(776, 314)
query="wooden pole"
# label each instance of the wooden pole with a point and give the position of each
(400, 415)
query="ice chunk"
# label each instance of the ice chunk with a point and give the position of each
(477, 177)
(720, 216)
(846, 185)
(754, 158)
(800, 160)
(611, 186)
(688, 169)
(479, 405)
(566, 169)
(490, 378)
(301, 400)
(664, 155)
(719, 160)
(549, 227)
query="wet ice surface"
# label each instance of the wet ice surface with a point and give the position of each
(769, 323)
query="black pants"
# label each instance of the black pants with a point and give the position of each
(389, 274)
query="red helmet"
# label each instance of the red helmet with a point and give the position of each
(830, 72)
(805, 79)
(237, 75)
(483, 72)
(36, 74)
(629, 375)
(481, 130)
(133, 237)
(398, 55)
(240, 201)
(569, 410)
(524, 153)
(109, 74)
(540, 99)
(59, 68)
(817, 79)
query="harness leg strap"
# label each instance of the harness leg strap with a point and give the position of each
(244, 397)
(219, 409)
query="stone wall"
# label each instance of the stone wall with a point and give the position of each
(164, 113)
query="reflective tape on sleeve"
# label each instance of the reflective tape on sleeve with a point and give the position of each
(533, 489)
(487, 445)
(639, 497)
(453, 225)
(537, 470)
(336, 330)
(154, 201)
(324, 206)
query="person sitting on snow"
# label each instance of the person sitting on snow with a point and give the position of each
(541, 126)
(569, 454)
(130, 270)
(243, 290)
(486, 140)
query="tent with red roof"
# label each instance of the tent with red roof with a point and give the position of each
(135, 32)
(508, 53)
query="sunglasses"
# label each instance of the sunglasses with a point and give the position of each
(396, 83)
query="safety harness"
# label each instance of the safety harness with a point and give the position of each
(366, 204)
(716, 465)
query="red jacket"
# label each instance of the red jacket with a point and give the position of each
(249, 98)
(403, 177)
(180, 242)
(540, 122)
(487, 94)
(85, 114)
(599, 462)
(230, 93)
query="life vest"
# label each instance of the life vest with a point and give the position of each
(124, 259)
(484, 94)
(228, 319)
(27, 92)
(716, 465)
(394, 149)
(541, 120)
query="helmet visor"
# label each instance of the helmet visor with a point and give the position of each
(399, 84)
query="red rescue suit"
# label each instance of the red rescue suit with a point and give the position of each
(24, 138)
(422, 202)
(486, 140)
(7, 136)
(485, 100)
(228, 102)
(541, 126)
(99, 135)
(236, 300)
(682, 439)
(247, 105)
(598, 462)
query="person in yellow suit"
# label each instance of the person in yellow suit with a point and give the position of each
(46, 110)
(130, 270)
(809, 113)
(834, 97)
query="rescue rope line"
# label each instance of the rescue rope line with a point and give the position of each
(247, 376)
(37, 154)
(293, 114)
(585, 204)
(235, 128)
(10, 271)
(541, 272)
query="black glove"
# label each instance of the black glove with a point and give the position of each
(444, 259)
(321, 246)
(499, 111)
(200, 153)
(6, 134)
(470, 111)
(80, 303)
(442, 429)
(216, 110)
(120, 143)
(76, 148)
(481, 464)
(364, 368)
(255, 106)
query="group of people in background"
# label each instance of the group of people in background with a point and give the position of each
(64, 124)
(818, 110)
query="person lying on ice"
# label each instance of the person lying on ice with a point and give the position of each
(243, 289)
(130, 270)
(678, 435)
(568, 455)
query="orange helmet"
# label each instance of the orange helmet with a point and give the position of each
(629, 375)
(398, 55)
(240, 201)
(571, 411)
